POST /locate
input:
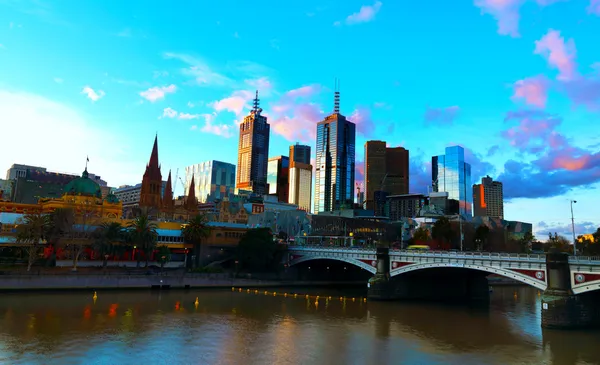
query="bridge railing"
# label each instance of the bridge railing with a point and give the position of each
(584, 259)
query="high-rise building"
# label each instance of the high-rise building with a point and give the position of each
(253, 152)
(450, 173)
(278, 172)
(214, 180)
(488, 199)
(300, 181)
(386, 169)
(300, 153)
(335, 154)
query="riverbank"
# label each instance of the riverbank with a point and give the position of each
(12, 283)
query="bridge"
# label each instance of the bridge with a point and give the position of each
(568, 282)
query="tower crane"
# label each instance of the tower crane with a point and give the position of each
(175, 181)
(182, 185)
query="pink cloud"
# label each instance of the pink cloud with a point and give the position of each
(594, 7)
(506, 13)
(210, 127)
(298, 123)
(560, 54)
(364, 123)
(304, 91)
(158, 92)
(235, 103)
(531, 127)
(534, 90)
(364, 15)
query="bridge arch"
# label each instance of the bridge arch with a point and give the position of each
(350, 261)
(492, 270)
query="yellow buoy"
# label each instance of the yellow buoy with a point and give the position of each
(365, 300)
(306, 296)
(295, 295)
(232, 288)
(197, 301)
(95, 296)
(266, 292)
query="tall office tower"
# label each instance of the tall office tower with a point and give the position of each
(450, 173)
(300, 180)
(336, 144)
(488, 199)
(278, 172)
(386, 170)
(300, 153)
(253, 152)
(214, 180)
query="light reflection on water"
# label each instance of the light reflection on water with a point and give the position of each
(247, 328)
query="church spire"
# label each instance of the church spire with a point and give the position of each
(154, 156)
(191, 204)
(167, 200)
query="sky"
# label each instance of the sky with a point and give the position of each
(515, 82)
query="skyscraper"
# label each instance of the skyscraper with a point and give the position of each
(488, 199)
(336, 144)
(300, 153)
(386, 169)
(450, 173)
(213, 179)
(278, 171)
(253, 152)
(300, 179)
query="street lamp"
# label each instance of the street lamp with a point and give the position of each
(573, 227)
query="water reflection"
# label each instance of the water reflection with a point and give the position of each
(251, 327)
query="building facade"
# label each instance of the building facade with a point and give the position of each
(300, 192)
(253, 152)
(386, 169)
(450, 173)
(405, 206)
(488, 199)
(214, 180)
(278, 172)
(335, 162)
(300, 153)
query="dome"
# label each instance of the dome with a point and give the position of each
(83, 186)
(112, 199)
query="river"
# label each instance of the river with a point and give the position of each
(232, 327)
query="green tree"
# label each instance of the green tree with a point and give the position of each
(31, 233)
(559, 243)
(164, 256)
(108, 239)
(61, 224)
(481, 237)
(442, 230)
(257, 251)
(194, 231)
(142, 234)
(421, 235)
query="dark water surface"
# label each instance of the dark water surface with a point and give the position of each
(246, 328)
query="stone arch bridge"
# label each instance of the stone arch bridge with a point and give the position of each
(558, 275)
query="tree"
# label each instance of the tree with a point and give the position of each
(481, 236)
(421, 235)
(194, 231)
(142, 233)
(557, 242)
(107, 239)
(31, 233)
(256, 250)
(442, 230)
(61, 223)
(164, 256)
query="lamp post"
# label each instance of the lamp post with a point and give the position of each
(573, 228)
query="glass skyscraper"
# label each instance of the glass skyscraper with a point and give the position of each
(213, 180)
(450, 173)
(335, 153)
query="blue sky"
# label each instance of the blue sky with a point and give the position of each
(516, 82)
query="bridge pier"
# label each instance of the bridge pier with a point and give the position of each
(380, 287)
(561, 309)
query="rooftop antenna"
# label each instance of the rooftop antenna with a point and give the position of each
(256, 103)
(336, 97)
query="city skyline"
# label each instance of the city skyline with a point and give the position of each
(129, 79)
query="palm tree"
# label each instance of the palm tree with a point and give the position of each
(31, 233)
(142, 233)
(107, 237)
(194, 231)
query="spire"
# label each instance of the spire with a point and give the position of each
(256, 101)
(336, 97)
(191, 203)
(168, 202)
(154, 156)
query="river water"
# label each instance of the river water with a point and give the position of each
(232, 327)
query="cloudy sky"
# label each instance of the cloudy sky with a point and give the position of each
(516, 82)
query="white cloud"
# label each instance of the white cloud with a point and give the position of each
(49, 120)
(158, 92)
(222, 130)
(58, 80)
(92, 94)
(172, 114)
(200, 71)
(235, 103)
